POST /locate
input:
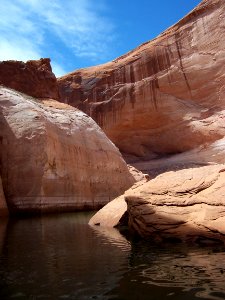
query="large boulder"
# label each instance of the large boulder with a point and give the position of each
(55, 157)
(34, 78)
(185, 205)
(164, 97)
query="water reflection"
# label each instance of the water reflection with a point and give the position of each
(61, 257)
(58, 257)
(177, 272)
(3, 227)
(112, 236)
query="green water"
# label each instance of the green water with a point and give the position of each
(61, 257)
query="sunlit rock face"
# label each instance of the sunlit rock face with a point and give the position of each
(186, 205)
(54, 157)
(166, 96)
(34, 78)
(166, 100)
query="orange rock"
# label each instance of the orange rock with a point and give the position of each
(165, 102)
(34, 78)
(164, 97)
(56, 158)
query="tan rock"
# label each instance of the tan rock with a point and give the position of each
(164, 97)
(187, 204)
(34, 78)
(114, 213)
(56, 158)
(111, 214)
(137, 174)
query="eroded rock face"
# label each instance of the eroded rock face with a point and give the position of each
(165, 102)
(54, 157)
(164, 97)
(34, 78)
(185, 205)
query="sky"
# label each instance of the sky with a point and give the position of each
(81, 33)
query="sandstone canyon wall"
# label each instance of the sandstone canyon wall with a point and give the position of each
(164, 102)
(166, 96)
(34, 78)
(55, 158)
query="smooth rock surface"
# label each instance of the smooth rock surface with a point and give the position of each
(165, 97)
(55, 157)
(114, 213)
(185, 205)
(111, 214)
(34, 78)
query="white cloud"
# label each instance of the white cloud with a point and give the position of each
(57, 69)
(28, 27)
(18, 49)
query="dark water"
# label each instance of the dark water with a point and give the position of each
(61, 257)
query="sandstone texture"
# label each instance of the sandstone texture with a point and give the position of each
(165, 97)
(114, 213)
(111, 214)
(163, 105)
(34, 78)
(55, 157)
(184, 205)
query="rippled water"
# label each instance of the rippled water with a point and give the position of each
(61, 257)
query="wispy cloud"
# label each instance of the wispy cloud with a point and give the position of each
(57, 69)
(28, 28)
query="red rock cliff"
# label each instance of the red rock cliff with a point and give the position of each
(34, 78)
(166, 96)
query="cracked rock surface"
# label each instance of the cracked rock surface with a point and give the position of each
(184, 205)
(187, 204)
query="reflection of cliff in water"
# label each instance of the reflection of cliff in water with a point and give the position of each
(172, 271)
(3, 228)
(59, 256)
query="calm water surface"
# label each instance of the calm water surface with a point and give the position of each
(61, 257)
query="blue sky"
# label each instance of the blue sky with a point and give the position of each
(82, 33)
